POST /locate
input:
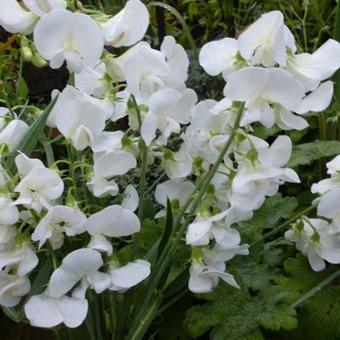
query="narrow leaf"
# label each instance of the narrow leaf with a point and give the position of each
(30, 140)
(167, 228)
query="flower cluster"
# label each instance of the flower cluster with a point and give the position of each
(267, 82)
(319, 238)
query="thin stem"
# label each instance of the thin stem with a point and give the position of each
(316, 289)
(282, 226)
(144, 162)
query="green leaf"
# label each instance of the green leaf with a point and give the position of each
(233, 312)
(274, 210)
(22, 88)
(318, 317)
(305, 154)
(30, 140)
(167, 229)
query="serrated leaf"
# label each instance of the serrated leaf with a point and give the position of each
(234, 314)
(318, 317)
(305, 154)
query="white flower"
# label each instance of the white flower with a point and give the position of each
(255, 180)
(13, 133)
(39, 185)
(312, 238)
(219, 56)
(9, 213)
(204, 277)
(12, 288)
(14, 19)
(173, 190)
(202, 230)
(23, 260)
(264, 41)
(328, 206)
(46, 311)
(107, 166)
(79, 117)
(42, 7)
(91, 80)
(259, 87)
(128, 26)
(131, 198)
(58, 221)
(310, 69)
(168, 108)
(113, 221)
(77, 266)
(57, 43)
(129, 275)
(147, 70)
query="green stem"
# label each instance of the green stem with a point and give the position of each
(282, 226)
(316, 289)
(145, 322)
(170, 248)
(144, 162)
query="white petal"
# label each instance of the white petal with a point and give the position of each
(114, 163)
(318, 100)
(131, 198)
(123, 29)
(216, 56)
(321, 64)
(274, 85)
(198, 233)
(329, 204)
(14, 19)
(113, 221)
(45, 311)
(74, 267)
(131, 274)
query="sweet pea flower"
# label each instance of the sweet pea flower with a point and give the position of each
(256, 179)
(173, 190)
(58, 221)
(168, 108)
(123, 29)
(204, 277)
(328, 206)
(106, 167)
(92, 80)
(21, 259)
(113, 221)
(311, 236)
(58, 43)
(9, 213)
(13, 133)
(258, 88)
(147, 70)
(77, 266)
(264, 41)
(79, 117)
(131, 198)
(219, 56)
(311, 69)
(15, 19)
(333, 169)
(12, 288)
(47, 311)
(128, 276)
(202, 230)
(39, 186)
